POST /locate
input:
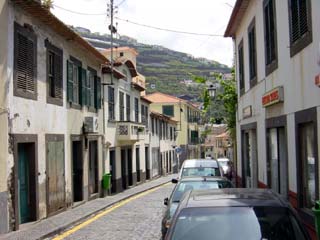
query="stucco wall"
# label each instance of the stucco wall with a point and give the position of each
(3, 95)
(296, 74)
(39, 117)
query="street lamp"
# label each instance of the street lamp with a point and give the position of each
(212, 90)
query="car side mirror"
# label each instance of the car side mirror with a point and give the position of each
(166, 201)
(174, 180)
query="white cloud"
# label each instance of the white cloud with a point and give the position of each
(203, 16)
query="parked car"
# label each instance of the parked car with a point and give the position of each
(200, 167)
(225, 165)
(188, 184)
(223, 214)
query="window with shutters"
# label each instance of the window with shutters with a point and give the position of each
(252, 53)
(54, 74)
(128, 107)
(121, 106)
(76, 87)
(111, 103)
(143, 120)
(300, 25)
(241, 67)
(136, 109)
(93, 90)
(168, 110)
(25, 62)
(146, 116)
(270, 36)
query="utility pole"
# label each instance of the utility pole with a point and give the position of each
(113, 29)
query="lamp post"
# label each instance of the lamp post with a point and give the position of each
(212, 90)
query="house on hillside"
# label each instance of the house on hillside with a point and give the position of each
(277, 72)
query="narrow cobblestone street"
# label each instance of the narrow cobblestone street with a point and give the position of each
(138, 219)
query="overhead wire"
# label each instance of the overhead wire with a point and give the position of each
(141, 24)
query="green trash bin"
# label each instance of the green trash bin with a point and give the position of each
(316, 211)
(106, 181)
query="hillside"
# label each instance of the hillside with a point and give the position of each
(165, 70)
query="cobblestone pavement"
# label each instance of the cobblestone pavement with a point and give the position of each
(138, 219)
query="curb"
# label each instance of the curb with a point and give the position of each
(88, 216)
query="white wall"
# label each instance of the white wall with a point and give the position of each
(295, 74)
(39, 117)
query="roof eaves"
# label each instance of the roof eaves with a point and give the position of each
(238, 11)
(36, 10)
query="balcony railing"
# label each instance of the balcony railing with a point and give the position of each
(139, 83)
(130, 131)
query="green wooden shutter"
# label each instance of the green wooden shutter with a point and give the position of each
(97, 95)
(88, 103)
(83, 87)
(58, 76)
(69, 81)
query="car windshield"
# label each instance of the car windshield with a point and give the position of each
(182, 187)
(223, 163)
(200, 171)
(224, 223)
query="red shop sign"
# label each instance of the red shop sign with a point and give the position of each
(272, 97)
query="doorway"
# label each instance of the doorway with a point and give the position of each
(93, 167)
(113, 171)
(55, 173)
(27, 182)
(130, 170)
(124, 169)
(147, 163)
(138, 164)
(249, 158)
(277, 161)
(77, 171)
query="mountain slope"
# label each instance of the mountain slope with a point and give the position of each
(165, 70)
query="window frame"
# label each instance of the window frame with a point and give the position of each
(136, 110)
(76, 64)
(273, 65)
(252, 49)
(121, 106)
(128, 107)
(31, 36)
(305, 39)
(241, 76)
(57, 55)
(111, 104)
(166, 106)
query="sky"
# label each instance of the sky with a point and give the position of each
(202, 16)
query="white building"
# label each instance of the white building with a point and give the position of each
(126, 122)
(51, 117)
(162, 144)
(278, 120)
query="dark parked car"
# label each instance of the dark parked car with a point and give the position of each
(242, 214)
(188, 184)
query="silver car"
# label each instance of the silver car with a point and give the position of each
(200, 168)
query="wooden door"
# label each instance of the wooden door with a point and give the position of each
(56, 176)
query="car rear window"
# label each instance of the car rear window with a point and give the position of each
(200, 172)
(224, 223)
(194, 185)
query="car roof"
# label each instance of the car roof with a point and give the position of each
(223, 159)
(234, 197)
(192, 163)
(203, 178)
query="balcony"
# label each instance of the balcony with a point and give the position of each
(139, 83)
(130, 131)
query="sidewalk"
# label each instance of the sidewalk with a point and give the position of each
(58, 223)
